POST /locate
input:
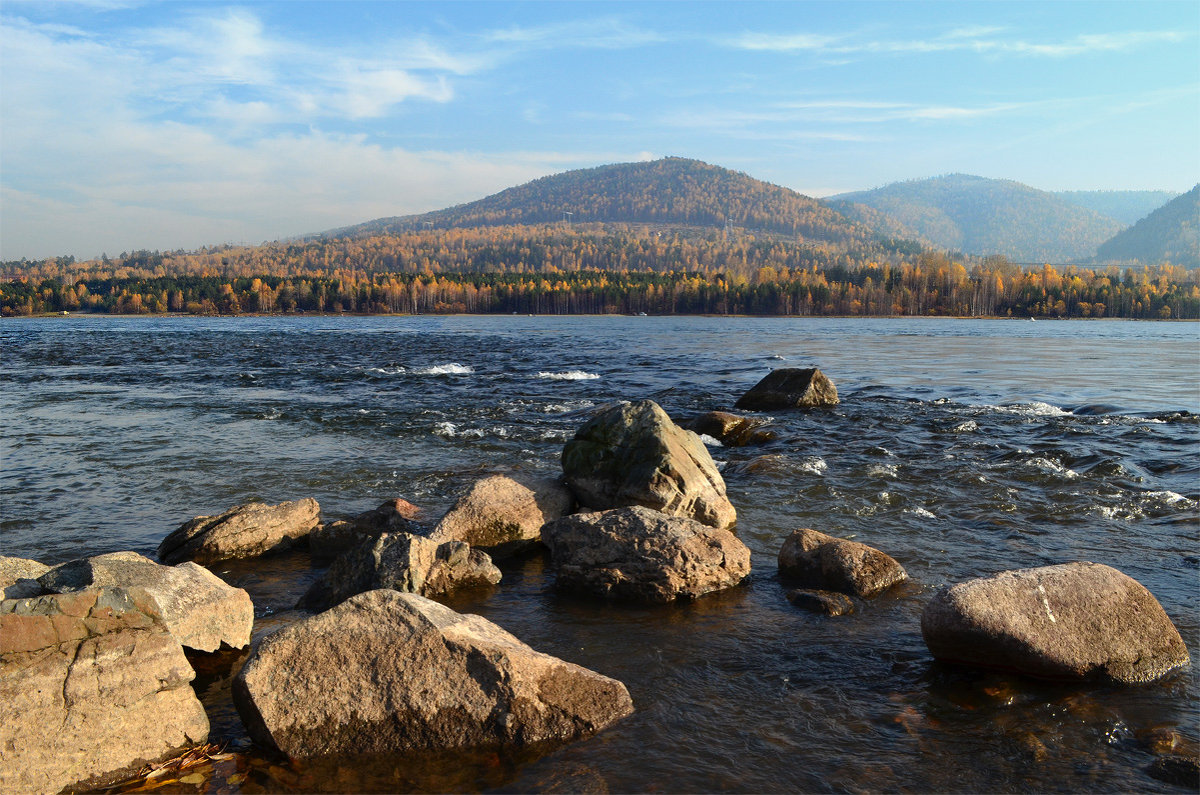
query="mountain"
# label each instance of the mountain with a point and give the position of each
(1126, 206)
(673, 191)
(981, 216)
(1169, 234)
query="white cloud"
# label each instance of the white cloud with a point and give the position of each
(602, 33)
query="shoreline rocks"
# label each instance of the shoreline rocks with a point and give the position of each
(504, 515)
(817, 560)
(388, 671)
(397, 515)
(18, 577)
(401, 562)
(94, 687)
(790, 388)
(633, 454)
(636, 554)
(1074, 622)
(245, 531)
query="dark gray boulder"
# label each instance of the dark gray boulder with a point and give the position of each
(817, 560)
(387, 671)
(633, 454)
(504, 515)
(245, 531)
(636, 554)
(790, 388)
(1074, 621)
(402, 562)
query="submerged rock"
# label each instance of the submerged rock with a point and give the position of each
(1182, 771)
(18, 577)
(402, 562)
(790, 388)
(829, 603)
(397, 515)
(388, 671)
(200, 609)
(640, 555)
(730, 429)
(823, 561)
(93, 687)
(633, 454)
(504, 515)
(245, 531)
(1074, 621)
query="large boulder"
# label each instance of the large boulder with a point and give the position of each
(633, 454)
(402, 562)
(817, 560)
(636, 554)
(93, 687)
(18, 577)
(1074, 621)
(790, 388)
(200, 609)
(396, 515)
(504, 515)
(245, 531)
(730, 429)
(387, 671)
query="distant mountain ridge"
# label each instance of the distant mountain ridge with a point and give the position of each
(982, 216)
(671, 190)
(1169, 234)
(1125, 206)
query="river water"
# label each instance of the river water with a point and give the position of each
(961, 448)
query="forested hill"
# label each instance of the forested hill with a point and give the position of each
(1169, 234)
(670, 191)
(982, 216)
(1125, 206)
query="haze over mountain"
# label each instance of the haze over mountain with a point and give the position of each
(1169, 234)
(976, 215)
(673, 191)
(1126, 206)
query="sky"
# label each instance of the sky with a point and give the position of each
(175, 125)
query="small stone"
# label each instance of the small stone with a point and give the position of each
(829, 603)
(790, 388)
(504, 515)
(1182, 771)
(730, 429)
(822, 561)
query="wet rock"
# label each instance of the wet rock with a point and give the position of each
(199, 608)
(388, 671)
(822, 561)
(18, 577)
(828, 603)
(730, 429)
(93, 687)
(504, 515)
(327, 541)
(633, 454)
(1182, 771)
(245, 531)
(640, 555)
(1075, 621)
(402, 562)
(790, 388)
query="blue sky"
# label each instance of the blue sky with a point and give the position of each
(127, 125)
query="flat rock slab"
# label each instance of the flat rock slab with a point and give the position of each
(633, 454)
(200, 609)
(402, 562)
(636, 554)
(504, 515)
(388, 671)
(18, 577)
(826, 562)
(790, 388)
(93, 687)
(245, 531)
(1074, 621)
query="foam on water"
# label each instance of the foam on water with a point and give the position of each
(568, 375)
(453, 368)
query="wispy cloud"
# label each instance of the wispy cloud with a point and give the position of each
(601, 33)
(979, 39)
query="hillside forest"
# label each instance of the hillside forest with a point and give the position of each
(564, 268)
